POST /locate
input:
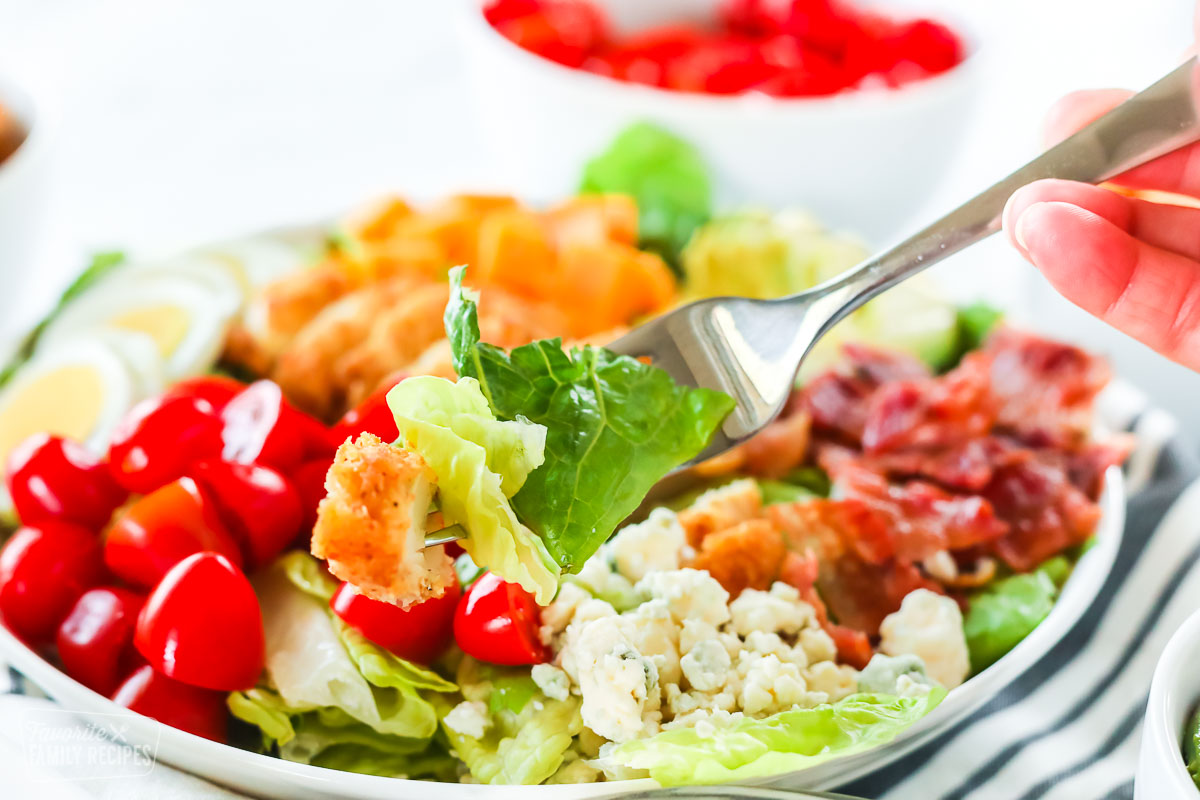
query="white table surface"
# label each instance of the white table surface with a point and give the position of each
(182, 121)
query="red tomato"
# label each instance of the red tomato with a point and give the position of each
(202, 625)
(43, 570)
(160, 438)
(262, 427)
(719, 66)
(420, 633)
(754, 17)
(161, 529)
(216, 390)
(95, 641)
(179, 705)
(50, 477)
(930, 45)
(309, 480)
(259, 506)
(497, 622)
(566, 31)
(503, 10)
(371, 416)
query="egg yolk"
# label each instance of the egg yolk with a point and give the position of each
(165, 324)
(66, 401)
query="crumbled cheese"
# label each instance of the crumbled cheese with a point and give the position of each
(706, 665)
(469, 718)
(929, 625)
(833, 680)
(553, 682)
(655, 545)
(777, 610)
(817, 645)
(689, 594)
(557, 615)
(619, 685)
(769, 685)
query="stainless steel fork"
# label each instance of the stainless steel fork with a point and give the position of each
(752, 349)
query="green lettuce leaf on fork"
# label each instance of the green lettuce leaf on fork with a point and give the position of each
(614, 427)
(331, 697)
(480, 462)
(784, 742)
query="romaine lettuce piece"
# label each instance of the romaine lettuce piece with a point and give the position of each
(1008, 610)
(667, 178)
(787, 741)
(480, 462)
(327, 686)
(614, 427)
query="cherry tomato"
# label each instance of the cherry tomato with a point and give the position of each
(95, 641)
(565, 31)
(497, 622)
(371, 416)
(930, 45)
(159, 439)
(50, 477)
(309, 480)
(202, 625)
(216, 390)
(753, 17)
(188, 708)
(259, 506)
(503, 10)
(262, 427)
(43, 571)
(419, 633)
(159, 530)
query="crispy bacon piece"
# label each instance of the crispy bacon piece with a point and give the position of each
(854, 647)
(839, 401)
(930, 413)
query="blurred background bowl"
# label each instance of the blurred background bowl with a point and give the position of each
(1174, 692)
(863, 159)
(22, 187)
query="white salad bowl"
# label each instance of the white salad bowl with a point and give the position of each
(265, 776)
(1174, 692)
(863, 159)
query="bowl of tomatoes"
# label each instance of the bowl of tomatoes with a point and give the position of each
(851, 112)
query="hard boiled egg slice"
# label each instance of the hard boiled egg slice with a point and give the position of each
(184, 318)
(221, 277)
(263, 260)
(79, 390)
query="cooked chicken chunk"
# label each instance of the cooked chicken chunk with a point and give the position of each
(721, 508)
(371, 524)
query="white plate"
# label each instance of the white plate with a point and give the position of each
(272, 777)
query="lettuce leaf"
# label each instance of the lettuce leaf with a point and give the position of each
(1008, 610)
(530, 734)
(614, 427)
(328, 688)
(1191, 747)
(790, 740)
(665, 175)
(480, 462)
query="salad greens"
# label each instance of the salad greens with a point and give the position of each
(665, 175)
(789, 740)
(480, 463)
(1007, 610)
(1191, 747)
(331, 697)
(603, 452)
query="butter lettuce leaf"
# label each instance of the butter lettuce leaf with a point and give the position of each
(614, 427)
(327, 688)
(1007, 610)
(480, 462)
(787, 741)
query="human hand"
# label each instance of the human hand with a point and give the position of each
(1131, 261)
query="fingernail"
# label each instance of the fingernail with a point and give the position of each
(1021, 230)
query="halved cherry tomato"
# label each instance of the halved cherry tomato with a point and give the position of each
(498, 622)
(202, 625)
(217, 390)
(371, 416)
(50, 477)
(159, 530)
(420, 633)
(309, 480)
(188, 708)
(258, 505)
(43, 571)
(95, 641)
(262, 427)
(159, 439)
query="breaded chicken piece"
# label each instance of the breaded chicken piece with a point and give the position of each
(721, 508)
(748, 555)
(371, 524)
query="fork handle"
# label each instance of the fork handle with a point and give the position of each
(1152, 123)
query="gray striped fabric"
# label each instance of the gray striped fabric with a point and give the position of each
(1067, 729)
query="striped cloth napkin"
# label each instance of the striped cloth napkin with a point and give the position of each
(1067, 729)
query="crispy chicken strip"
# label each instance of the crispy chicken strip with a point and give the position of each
(371, 524)
(721, 508)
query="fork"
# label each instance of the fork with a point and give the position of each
(752, 349)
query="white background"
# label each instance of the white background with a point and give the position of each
(182, 121)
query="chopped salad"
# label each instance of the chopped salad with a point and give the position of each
(387, 530)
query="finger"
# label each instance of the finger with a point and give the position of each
(1167, 227)
(1080, 108)
(1150, 294)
